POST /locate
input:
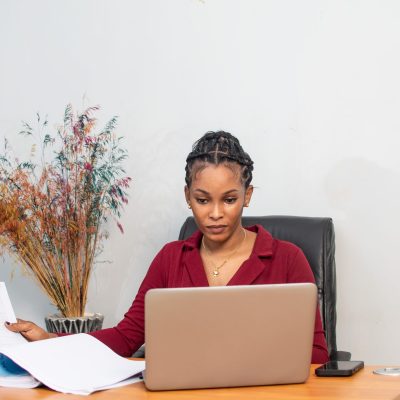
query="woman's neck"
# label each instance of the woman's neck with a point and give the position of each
(227, 246)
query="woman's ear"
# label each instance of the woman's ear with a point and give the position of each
(187, 196)
(247, 195)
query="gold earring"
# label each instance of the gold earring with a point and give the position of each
(189, 206)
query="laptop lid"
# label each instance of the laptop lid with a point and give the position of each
(227, 336)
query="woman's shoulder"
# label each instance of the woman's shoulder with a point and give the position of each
(267, 244)
(286, 256)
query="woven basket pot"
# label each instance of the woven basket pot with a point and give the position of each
(88, 323)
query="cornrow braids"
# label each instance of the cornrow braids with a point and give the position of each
(217, 148)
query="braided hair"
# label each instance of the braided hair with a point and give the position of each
(219, 148)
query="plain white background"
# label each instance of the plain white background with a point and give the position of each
(311, 88)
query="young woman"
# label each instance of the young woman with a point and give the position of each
(221, 252)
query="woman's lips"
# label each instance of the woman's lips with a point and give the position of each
(216, 229)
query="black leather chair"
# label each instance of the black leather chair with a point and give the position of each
(316, 237)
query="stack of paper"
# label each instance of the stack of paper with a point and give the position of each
(12, 375)
(77, 364)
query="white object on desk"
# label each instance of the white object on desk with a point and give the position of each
(390, 371)
(78, 364)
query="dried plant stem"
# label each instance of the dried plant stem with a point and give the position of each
(52, 223)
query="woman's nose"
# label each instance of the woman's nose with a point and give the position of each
(216, 212)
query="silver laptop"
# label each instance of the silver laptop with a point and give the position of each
(229, 336)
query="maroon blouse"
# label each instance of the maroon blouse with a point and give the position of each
(179, 264)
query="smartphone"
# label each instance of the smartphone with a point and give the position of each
(339, 368)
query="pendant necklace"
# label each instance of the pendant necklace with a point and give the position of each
(216, 268)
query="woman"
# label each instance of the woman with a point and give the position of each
(221, 252)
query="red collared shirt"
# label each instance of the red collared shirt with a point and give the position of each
(179, 264)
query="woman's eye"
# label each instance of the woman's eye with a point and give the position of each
(230, 200)
(202, 201)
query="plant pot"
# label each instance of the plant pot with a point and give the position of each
(88, 323)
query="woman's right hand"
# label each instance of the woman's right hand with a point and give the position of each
(29, 330)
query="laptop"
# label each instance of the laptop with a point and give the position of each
(227, 336)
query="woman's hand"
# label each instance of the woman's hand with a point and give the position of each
(29, 330)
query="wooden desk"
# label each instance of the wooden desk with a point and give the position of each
(362, 386)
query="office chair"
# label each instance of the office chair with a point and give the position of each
(316, 237)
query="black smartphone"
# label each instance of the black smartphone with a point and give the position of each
(339, 368)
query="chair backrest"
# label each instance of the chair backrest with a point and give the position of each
(316, 237)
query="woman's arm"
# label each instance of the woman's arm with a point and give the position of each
(126, 337)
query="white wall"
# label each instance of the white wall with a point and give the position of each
(310, 87)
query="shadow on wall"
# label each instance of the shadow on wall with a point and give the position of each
(368, 196)
(367, 199)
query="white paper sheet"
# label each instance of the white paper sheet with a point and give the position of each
(78, 364)
(7, 314)
(11, 375)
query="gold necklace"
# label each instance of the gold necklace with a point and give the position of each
(216, 269)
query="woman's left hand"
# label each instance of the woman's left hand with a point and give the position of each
(29, 330)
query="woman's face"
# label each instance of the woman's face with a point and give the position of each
(217, 197)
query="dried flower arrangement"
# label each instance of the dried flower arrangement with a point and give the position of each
(51, 220)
